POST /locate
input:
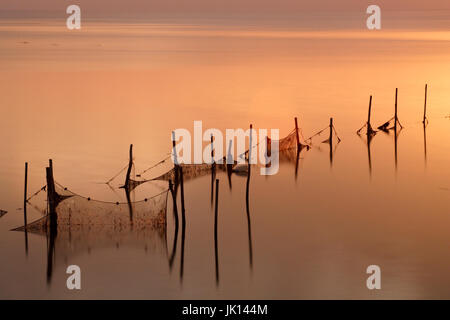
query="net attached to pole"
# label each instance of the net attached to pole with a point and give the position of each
(289, 142)
(390, 125)
(326, 135)
(74, 210)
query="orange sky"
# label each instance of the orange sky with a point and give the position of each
(131, 7)
(291, 14)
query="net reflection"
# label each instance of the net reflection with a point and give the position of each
(84, 225)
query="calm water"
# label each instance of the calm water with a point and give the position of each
(82, 98)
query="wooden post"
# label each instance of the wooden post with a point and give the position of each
(130, 165)
(174, 149)
(250, 145)
(51, 195)
(425, 105)
(25, 196)
(213, 171)
(212, 149)
(331, 141)
(216, 247)
(249, 225)
(175, 214)
(175, 160)
(182, 196)
(370, 110)
(331, 131)
(296, 132)
(183, 225)
(395, 116)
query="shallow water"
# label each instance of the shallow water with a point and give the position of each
(82, 98)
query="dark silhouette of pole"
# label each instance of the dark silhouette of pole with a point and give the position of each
(52, 199)
(216, 246)
(175, 215)
(369, 127)
(330, 141)
(296, 132)
(425, 105)
(369, 155)
(396, 97)
(25, 196)
(296, 164)
(130, 165)
(249, 225)
(183, 224)
(213, 171)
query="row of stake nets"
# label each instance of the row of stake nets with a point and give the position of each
(192, 171)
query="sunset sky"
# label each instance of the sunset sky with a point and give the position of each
(418, 13)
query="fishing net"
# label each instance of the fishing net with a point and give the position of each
(190, 171)
(73, 209)
(326, 135)
(71, 240)
(79, 210)
(390, 124)
(289, 142)
(369, 131)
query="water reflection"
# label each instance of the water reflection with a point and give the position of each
(175, 216)
(425, 140)
(216, 244)
(249, 222)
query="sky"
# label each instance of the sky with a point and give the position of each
(290, 14)
(250, 7)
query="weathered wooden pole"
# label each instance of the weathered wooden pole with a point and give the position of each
(175, 160)
(249, 223)
(250, 146)
(369, 127)
(331, 131)
(175, 214)
(183, 224)
(425, 105)
(51, 195)
(331, 141)
(130, 165)
(216, 247)
(182, 196)
(25, 196)
(213, 171)
(395, 116)
(296, 132)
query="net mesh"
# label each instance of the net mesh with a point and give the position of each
(76, 210)
(326, 135)
(79, 210)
